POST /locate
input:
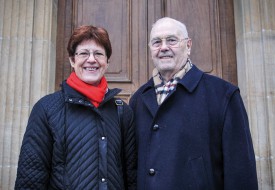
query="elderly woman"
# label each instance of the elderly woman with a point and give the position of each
(75, 138)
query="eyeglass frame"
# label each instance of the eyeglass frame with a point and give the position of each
(167, 44)
(89, 54)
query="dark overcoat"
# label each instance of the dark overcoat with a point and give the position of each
(197, 139)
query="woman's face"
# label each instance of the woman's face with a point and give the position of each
(90, 62)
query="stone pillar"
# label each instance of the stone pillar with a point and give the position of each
(27, 59)
(255, 36)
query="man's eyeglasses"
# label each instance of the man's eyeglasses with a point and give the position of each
(85, 54)
(174, 42)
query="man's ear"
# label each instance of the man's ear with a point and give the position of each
(71, 61)
(189, 45)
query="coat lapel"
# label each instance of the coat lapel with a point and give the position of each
(150, 100)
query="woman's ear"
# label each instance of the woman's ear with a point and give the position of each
(71, 61)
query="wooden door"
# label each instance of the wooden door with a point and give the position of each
(210, 24)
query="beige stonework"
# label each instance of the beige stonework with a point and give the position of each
(255, 36)
(27, 59)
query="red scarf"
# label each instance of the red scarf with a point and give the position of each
(94, 93)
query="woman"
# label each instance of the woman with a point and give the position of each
(74, 138)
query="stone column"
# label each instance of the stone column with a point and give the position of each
(255, 35)
(27, 59)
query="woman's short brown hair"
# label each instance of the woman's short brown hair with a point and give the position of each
(89, 32)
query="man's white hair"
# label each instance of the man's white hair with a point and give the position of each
(180, 24)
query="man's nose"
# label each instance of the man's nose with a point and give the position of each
(164, 45)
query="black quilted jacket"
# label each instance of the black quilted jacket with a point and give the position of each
(70, 144)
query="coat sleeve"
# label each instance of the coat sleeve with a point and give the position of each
(239, 158)
(35, 154)
(130, 151)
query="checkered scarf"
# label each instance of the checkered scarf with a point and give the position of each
(162, 88)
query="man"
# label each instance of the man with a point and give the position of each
(192, 128)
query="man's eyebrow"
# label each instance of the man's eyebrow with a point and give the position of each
(168, 36)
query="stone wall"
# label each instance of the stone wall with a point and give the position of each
(255, 36)
(27, 59)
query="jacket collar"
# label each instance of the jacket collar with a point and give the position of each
(190, 81)
(74, 96)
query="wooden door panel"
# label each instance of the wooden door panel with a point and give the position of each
(210, 24)
(126, 23)
(199, 17)
(114, 17)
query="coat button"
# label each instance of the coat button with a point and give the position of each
(155, 127)
(152, 172)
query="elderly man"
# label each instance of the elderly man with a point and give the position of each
(192, 128)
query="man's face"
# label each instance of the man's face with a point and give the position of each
(167, 58)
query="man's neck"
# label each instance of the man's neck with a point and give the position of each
(166, 76)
